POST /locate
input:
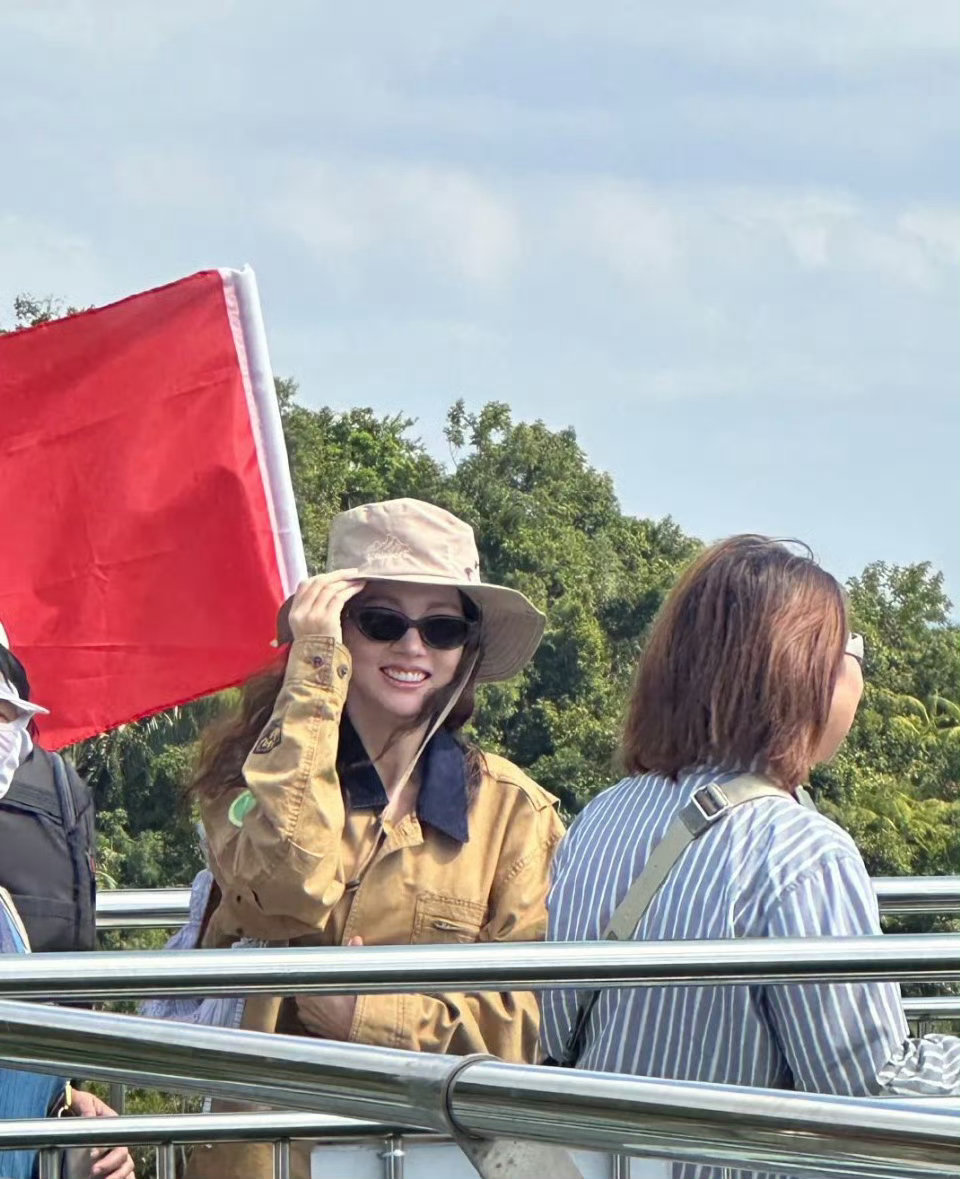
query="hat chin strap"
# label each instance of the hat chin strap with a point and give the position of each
(438, 720)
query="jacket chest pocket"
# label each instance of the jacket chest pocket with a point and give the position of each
(439, 918)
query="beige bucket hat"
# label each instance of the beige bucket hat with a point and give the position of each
(412, 541)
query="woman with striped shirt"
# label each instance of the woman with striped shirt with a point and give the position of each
(749, 668)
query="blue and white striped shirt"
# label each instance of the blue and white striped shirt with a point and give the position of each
(771, 868)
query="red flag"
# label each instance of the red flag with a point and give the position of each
(149, 531)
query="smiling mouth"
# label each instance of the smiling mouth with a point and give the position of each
(406, 677)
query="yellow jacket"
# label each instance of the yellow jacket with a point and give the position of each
(298, 858)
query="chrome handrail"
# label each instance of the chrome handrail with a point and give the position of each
(153, 1129)
(902, 895)
(499, 966)
(142, 908)
(932, 1007)
(718, 1125)
(167, 907)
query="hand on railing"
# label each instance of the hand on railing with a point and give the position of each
(101, 1162)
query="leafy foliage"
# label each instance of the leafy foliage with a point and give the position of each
(549, 524)
(895, 784)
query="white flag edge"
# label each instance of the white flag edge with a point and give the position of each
(250, 339)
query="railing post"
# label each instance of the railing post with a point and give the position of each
(49, 1167)
(118, 1098)
(393, 1157)
(281, 1159)
(166, 1161)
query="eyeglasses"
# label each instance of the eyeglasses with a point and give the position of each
(444, 632)
(854, 647)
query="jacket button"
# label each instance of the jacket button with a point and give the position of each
(342, 670)
(318, 661)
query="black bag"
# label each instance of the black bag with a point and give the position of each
(47, 853)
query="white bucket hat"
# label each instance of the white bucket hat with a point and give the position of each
(24, 708)
(411, 541)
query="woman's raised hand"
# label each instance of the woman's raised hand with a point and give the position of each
(319, 602)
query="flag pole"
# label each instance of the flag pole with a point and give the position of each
(246, 317)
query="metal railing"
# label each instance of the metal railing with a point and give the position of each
(166, 907)
(142, 908)
(904, 895)
(718, 1125)
(932, 1007)
(500, 967)
(169, 1131)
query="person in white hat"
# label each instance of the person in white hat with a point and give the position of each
(16, 714)
(39, 908)
(342, 803)
(48, 866)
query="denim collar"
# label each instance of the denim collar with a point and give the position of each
(442, 798)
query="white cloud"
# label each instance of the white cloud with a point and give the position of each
(750, 235)
(42, 258)
(733, 218)
(178, 179)
(105, 28)
(360, 221)
(842, 35)
(838, 233)
(938, 229)
(441, 220)
(631, 230)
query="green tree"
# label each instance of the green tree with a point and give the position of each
(895, 784)
(33, 310)
(550, 525)
(146, 835)
(341, 460)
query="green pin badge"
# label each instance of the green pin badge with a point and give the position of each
(241, 806)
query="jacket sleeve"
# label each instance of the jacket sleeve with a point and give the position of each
(274, 843)
(850, 1039)
(504, 1024)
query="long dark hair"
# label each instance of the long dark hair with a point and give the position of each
(13, 671)
(226, 742)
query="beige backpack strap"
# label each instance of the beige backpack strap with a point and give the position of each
(706, 806)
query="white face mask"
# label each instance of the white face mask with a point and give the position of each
(15, 744)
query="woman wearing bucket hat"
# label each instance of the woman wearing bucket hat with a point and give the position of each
(342, 806)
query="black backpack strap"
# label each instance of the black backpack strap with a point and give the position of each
(68, 804)
(79, 837)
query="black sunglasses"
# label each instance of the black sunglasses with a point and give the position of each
(380, 624)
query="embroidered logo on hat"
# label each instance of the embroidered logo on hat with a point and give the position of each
(387, 551)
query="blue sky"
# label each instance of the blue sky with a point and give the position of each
(721, 241)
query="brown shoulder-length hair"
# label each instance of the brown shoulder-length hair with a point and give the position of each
(740, 665)
(225, 743)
